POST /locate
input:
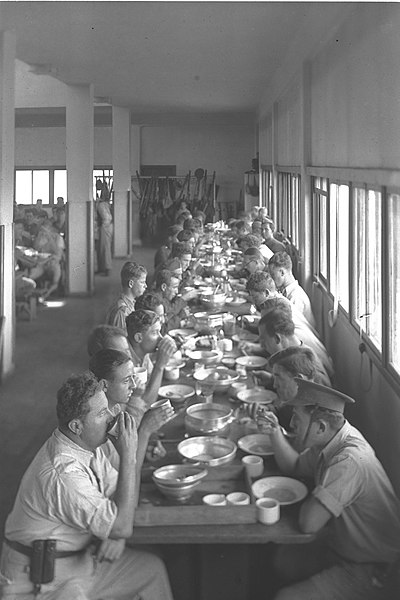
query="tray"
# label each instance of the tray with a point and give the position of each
(154, 509)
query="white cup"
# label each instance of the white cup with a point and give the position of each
(171, 373)
(268, 511)
(140, 374)
(254, 465)
(214, 499)
(238, 498)
(162, 402)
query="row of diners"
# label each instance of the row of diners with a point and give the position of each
(228, 292)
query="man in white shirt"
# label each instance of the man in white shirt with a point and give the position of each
(71, 493)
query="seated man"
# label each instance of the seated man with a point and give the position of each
(72, 495)
(107, 336)
(30, 224)
(252, 261)
(144, 336)
(152, 301)
(352, 504)
(175, 307)
(277, 332)
(164, 252)
(280, 268)
(116, 370)
(260, 286)
(48, 241)
(133, 283)
(268, 228)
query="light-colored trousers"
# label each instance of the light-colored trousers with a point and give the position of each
(136, 575)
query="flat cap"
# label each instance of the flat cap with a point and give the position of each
(310, 393)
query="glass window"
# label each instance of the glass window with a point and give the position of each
(289, 202)
(394, 280)
(368, 262)
(40, 186)
(339, 243)
(23, 187)
(320, 206)
(60, 184)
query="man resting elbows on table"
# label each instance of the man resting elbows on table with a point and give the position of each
(70, 493)
(352, 506)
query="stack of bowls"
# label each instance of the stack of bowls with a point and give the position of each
(178, 482)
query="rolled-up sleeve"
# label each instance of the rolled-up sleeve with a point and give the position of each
(341, 484)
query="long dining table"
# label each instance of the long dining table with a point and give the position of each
(211, 549)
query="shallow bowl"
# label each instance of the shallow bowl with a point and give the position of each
(179, 475)
(208, 419)
(208, 450)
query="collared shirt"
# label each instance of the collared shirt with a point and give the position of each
(352, 485)
(119, 310)
(295, 293)
(65, 495)
(142, 362)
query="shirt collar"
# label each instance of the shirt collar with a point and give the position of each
(85, 456)
(292, 286)
(336, 442)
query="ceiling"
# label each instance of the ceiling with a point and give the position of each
(167, 57)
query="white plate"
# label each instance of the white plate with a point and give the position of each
(284, 489)
(176, 392)
(256, 443)
(182, 333)
(252, 319)
(252, 362)
(258, 395)
(235, 300)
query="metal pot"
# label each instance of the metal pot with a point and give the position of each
(208, 419)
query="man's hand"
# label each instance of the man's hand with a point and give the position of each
(155, 418)
(267, 422)
(264, 378)
(166, 350)
(110, 550)
(127, 439)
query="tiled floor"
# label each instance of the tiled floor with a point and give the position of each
(48, 350)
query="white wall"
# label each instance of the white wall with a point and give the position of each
(228, 150)
(37, 91)
(354, 87)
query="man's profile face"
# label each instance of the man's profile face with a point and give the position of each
(150, 338)
(285, 385)
(278, 276)
(121, 385)
(139, 285)
(95, 422)
(172, 289)
(258, 297)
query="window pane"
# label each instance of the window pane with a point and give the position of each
(394, 281)
(60, 184)
(41, 186)
(368, 256)
(323, 232)
(23, 187)
(339, 243)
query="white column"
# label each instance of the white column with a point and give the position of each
(79, 146)
(7, 132)
(121, 134)
(135, 166)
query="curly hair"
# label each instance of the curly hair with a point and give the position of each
(297, 360)
(260, 281)
(148, 300)
(131, 270)
(280, 260)
(74, 395)
(140, 321)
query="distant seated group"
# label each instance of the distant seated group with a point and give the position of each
(83, 486)
(39, 251)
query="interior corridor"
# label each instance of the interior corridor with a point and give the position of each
(48, 350)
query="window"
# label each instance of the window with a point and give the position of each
(102, 183)
(46, 184)
(267, 191)
(289, 205)
(339, 243)
(320, 207)
(368, 262)
(394, 280)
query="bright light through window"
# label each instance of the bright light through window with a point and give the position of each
(40, 188)
(394, 281)
(60, 184)
(339, 243)
(23, 187)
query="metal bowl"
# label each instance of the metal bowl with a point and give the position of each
(178, 494)
(213, 299)
(208, 419)
(178, 475)
(218, 378)
(208, 450)
(206, 357)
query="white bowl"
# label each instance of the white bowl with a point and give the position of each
(252, 362)
(283, 489)
(176, 392)
(258, 395)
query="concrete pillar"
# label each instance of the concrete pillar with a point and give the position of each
(79, 146)
(136, 142)
(122, 179)
(7, 143)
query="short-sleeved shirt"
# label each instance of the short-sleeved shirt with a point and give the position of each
(119, 310)
(352, 485)
(298, 297)
(142, 362)
(65, 495)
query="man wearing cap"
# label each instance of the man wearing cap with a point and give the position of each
(352, 504)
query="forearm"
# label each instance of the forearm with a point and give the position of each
(151, 393)
(285, 455)
(125, 497)
(143, 441)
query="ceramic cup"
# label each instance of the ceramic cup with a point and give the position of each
(162, 402)
(254, 465)
(268, 511)
(140, 374)
(215, 499)
(238, 499)
(172, 372)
